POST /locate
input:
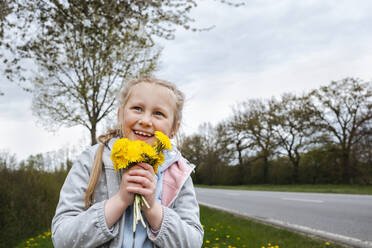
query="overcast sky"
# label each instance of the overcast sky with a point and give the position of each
(260, 50)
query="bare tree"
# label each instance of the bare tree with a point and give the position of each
(293, 130)
(208, 152)
(235, 136)
(259, 128)
(344, 108)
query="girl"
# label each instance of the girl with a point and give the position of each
(95, 205)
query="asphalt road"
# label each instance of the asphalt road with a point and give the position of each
(340, 217)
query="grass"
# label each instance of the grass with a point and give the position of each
(308, 188)
(42, 240)
(227, 230)
(222, 230)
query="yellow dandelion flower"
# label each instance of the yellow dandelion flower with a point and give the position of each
(126, 153)
(118, 157)
(227, 236)
(135, 150)
(147, 149)
(159, 160)
(327, 243)
(217, 238)
(207, 241)
(164, 141)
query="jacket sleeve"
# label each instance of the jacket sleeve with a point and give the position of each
(72, 225)
(180, 226)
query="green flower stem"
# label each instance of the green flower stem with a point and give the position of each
(139, 201)
(145, 202)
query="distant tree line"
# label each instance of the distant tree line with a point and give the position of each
(29, 192)
(323, 136)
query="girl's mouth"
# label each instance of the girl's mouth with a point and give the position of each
(143, 134)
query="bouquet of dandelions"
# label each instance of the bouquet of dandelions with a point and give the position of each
(127, 153)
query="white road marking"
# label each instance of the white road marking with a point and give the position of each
(232, 193)
(302, 200)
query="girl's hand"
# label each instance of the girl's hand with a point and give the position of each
(125, 195)
(117, 204)
(141, 180)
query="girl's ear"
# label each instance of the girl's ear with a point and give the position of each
(175, 129)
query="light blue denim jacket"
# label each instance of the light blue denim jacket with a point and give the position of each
(73, 226)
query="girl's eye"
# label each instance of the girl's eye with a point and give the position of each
(159, 113)
(137, 108)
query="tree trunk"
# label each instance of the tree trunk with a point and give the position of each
(93, 134)
(266, 169)
(295, 171)
(240, 157)
(346, 170)
(295, 160)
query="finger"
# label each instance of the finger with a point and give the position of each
(147, 167)
(140, 191)
(139, 183)
(141, 172)
(128, 181)
(142, 181)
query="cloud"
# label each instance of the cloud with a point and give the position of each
(263, 49)
(265, 34)
(25, 137)
(20, 131)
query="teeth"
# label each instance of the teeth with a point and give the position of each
(143, 134)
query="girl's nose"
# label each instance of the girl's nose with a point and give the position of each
(145, 120)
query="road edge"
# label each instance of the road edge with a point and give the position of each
(343, 240)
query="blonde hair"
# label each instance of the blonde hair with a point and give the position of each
(122, 98)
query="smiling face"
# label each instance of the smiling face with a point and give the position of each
(150, 107)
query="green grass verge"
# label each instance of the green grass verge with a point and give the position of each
(227, 230)
(308, 188)
(222, 230)
(42, 240)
